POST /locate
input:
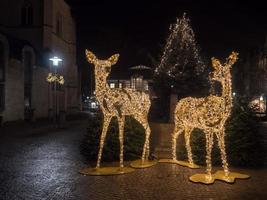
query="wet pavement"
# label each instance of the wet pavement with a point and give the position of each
(45, 165)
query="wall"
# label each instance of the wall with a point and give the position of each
(10, 21)
(40, 96)
(14, 104)
(63, 46)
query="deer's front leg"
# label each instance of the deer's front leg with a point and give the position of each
(106, 122)
(121, 121)
(177, 131)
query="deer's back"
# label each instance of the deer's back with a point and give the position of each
(199, 112)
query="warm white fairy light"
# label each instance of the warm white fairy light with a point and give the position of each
(55, 78)
(183, 31)
(208, 114)
(118, 102)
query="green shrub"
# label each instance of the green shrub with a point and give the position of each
(244, 141)
(133, 140)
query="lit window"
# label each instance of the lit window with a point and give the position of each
(120, 85)
(112, 85)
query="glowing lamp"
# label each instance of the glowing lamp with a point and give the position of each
(55, 60)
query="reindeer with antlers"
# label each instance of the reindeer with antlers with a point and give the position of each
(208, 114)
(117, 102)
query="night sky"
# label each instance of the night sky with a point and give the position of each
(138, 29)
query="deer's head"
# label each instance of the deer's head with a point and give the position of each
(222, 72)
(102, 67)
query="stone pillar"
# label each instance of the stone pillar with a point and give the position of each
(173, 102)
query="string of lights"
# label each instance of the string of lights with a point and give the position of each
(55, 78)
(118, 102)
(208, 114)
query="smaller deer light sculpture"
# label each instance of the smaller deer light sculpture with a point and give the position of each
(208, 114)
(119, 102)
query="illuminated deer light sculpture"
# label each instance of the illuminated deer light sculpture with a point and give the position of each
(119, 102)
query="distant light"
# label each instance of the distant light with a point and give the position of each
(234, 93)
(171, 86)
(93, 105)
(112, 85)
(261, 98)
(55, 60)
(87, 97)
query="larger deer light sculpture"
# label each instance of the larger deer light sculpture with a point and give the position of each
(208, 114)
(119, 102)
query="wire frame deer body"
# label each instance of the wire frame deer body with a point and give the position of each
(118, 102)
(208, 114)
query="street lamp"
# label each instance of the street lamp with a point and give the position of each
(55, 60)
(55, 78)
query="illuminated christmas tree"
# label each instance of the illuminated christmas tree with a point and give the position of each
(181, 70)
(181, 67)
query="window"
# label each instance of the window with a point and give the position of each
(112, 85)
(120, 85)
(2, 97)
(28, 66)
(2, 76)
(59, 22)
(27, 14)
(2, 62)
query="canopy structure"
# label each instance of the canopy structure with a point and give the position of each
(140, 67)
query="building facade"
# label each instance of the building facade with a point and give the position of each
(31, 32)
(250, 77)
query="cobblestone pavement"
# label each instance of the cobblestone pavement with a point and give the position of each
(45, 167)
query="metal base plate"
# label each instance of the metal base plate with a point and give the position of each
(179, 162)
(139, 164)
(105, 171)
(219, 175)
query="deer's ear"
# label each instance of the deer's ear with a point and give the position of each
(114, 59)
(91, 58)
(216, 64)
(231, 59)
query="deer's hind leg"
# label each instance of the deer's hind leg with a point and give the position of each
(121, 121)
(147, 140)
(209, 145)
(221, 143)
(144, 122)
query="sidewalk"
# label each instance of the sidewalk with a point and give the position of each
(39, 126)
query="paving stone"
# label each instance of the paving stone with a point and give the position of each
(45, 167)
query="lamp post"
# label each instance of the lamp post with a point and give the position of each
(55, 78)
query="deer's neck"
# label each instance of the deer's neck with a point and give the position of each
(100, 87)
(227, 94)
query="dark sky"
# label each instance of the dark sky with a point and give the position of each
(137, 29)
